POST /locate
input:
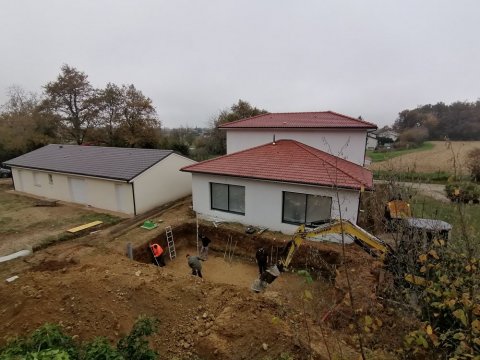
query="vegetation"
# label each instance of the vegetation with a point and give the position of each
(71, 110)
(50, 342)
(449, 306)
(473, 164)
(457, 121)
(215, 141)
(382, 155)
(463, 192)
(440, 177)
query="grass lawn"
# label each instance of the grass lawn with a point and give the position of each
(378, 156)
(426, 207)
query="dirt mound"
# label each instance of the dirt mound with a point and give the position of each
(91, 288)
(103, 295)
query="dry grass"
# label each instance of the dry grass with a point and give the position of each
(441, 158)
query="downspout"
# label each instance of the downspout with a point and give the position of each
(13, 180)
(133, 194)
(365, 149)
(358, 207)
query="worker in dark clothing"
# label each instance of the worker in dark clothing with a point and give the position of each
(157, 251)
(204, 249)
(195, 264)
(262, 259)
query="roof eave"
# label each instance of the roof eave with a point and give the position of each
(366, 187)
(299, 127)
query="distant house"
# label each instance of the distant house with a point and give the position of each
(279, 185)
(389, 134)
(340, 135)
(372, 141)
(126, 180)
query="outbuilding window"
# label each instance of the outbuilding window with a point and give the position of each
(50, 179)
(230, 198)
(301, 208)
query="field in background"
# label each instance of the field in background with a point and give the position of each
(378, 156)
(442, 157)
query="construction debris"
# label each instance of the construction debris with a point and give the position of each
(84, 226)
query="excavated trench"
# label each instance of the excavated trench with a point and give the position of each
(321, 259)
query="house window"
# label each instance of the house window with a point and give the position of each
(230, 198)
(305, 208)
(50, 179)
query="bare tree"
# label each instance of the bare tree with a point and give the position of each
(74, 100)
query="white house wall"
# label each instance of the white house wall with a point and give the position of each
(100, 193)
(347, 144)
(162, 183)
(372, 143)
(263, 201)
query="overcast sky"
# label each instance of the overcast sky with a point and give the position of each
(195, 58)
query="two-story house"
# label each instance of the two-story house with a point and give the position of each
(282, 170)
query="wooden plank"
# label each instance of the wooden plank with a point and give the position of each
(85, 226)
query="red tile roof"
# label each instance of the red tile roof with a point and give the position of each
(288, 161)
(323, 119)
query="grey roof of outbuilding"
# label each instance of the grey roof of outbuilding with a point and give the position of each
(103, 162)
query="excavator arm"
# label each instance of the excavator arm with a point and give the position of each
(371, 243)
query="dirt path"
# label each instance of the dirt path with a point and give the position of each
(436, 191)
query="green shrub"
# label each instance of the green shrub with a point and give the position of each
(450, 307)
(50, 343)
(51, 336)
(100, 349)
(135, 346)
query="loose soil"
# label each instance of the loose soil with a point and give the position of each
(439, 159)
(91, 288)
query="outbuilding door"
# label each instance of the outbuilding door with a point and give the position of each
(78, 190)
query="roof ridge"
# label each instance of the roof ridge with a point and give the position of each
(104, 147)
(352, 118)
(247, 118)
(309, 149)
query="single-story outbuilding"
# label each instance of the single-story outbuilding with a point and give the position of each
(279, 185)
(126, 180)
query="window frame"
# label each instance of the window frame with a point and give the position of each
(306, 207)
(228, 198)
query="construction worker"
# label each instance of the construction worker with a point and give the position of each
(195, 264)
(204, 249)
(262, 259)
(157, 251)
